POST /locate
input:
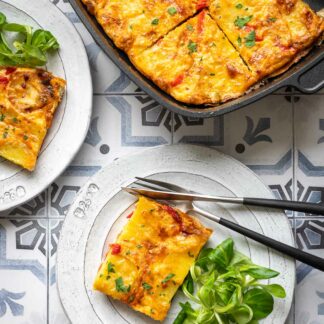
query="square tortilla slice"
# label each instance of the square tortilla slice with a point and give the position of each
(28, 101)
(196, 64)
(304, 24)
(151, 258)
(136, 25)
(258, 31)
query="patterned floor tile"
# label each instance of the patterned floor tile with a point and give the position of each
(62, 192)
(309, 136)
(35, 207)
(121, 125)
(198, 131)
(252, 132)
(309, 139)
(56, 312)
(23, 271)
(309, 295)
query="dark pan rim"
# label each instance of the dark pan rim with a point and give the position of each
(289, 78)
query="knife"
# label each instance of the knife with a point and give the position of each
(261, 202)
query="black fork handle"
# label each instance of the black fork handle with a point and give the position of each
(300, 206)
(297, 254)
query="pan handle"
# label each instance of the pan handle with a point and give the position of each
(310, 79)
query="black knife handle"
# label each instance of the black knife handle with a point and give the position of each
(286, 204)
(299, 255)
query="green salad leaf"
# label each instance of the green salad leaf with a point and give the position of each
(29, 47)
(224, 285)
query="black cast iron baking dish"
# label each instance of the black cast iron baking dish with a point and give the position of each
(307, 75)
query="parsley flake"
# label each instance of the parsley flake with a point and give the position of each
(2, 117)
(146, 286)
(111, 267)
(272, 19)
(240, 22)
(25, 137)
(250, 39)
(172, 11)
(239, 6)
(120, 287)
(239, 41)
(189, 27)
(192, 46)
(168, 277)
(155, 21)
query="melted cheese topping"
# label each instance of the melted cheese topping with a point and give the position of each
(136, 25)
(28, 100)
(258, 32)
(151, 258)
(304, 25)
(262, 38)
(196, 63)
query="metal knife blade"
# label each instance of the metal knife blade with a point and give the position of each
(167, 195)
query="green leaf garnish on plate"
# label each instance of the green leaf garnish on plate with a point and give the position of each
(29, 48)
(225, 286)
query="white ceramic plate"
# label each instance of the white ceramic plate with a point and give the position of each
(71, 120)
(99, 213)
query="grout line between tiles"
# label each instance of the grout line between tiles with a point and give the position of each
(293, 193)
(47, 213)
(47, 271)
(172, 128)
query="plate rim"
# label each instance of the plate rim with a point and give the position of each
(87, 99)
(114, 190)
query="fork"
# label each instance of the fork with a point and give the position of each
(307, 258)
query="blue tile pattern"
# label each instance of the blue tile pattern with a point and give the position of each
(281, 138)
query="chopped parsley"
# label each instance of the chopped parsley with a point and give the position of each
(250, 39)
(131, 27)
(211, 74)
(111, 268)
(2, 117)
(15, 120)
(146, 286)
(120, 287)
(189, 27)
(25, 137)
(272, 19)
(139, 246)
(131, 298)
(239, 6)
(240, 22)
(128, 252)
(5, 134)
(192, 46)
(108, 277)
(239, 41)
(168, 277)
(155, 21)
(172, 11)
